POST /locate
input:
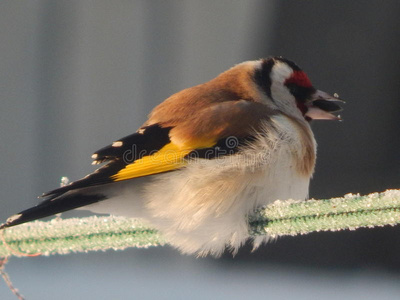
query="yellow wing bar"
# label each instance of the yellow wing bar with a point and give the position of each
(168, 158)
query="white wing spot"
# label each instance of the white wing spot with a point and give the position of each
(117, 144)
(141, 130)
(94, 156)
(14, 218)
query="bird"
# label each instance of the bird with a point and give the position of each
(206, 158)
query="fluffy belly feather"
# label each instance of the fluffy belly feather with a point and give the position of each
(204, 207)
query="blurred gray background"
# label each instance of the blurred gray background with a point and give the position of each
(76, 75)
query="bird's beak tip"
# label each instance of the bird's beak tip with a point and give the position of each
(322, 105)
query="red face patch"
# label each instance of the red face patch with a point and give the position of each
(299, 78)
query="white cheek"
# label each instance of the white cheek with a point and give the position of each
(280, 93)
(283, 99)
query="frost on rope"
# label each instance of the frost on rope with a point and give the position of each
(277, 219)
(349, 212)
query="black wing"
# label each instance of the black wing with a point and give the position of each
(119, 154)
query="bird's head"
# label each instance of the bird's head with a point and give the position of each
(288, 89)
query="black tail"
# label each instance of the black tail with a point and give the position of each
(53, 206)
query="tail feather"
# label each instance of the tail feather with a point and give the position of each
(53, 206)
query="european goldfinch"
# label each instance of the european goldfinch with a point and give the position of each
(207, 157)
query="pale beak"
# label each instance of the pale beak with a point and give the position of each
(321, 106)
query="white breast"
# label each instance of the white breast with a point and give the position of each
(204, 206)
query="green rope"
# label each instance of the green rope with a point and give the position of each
(277, 219)
(60, 236)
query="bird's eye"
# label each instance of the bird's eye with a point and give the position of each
(301, 93)
(300, 86)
